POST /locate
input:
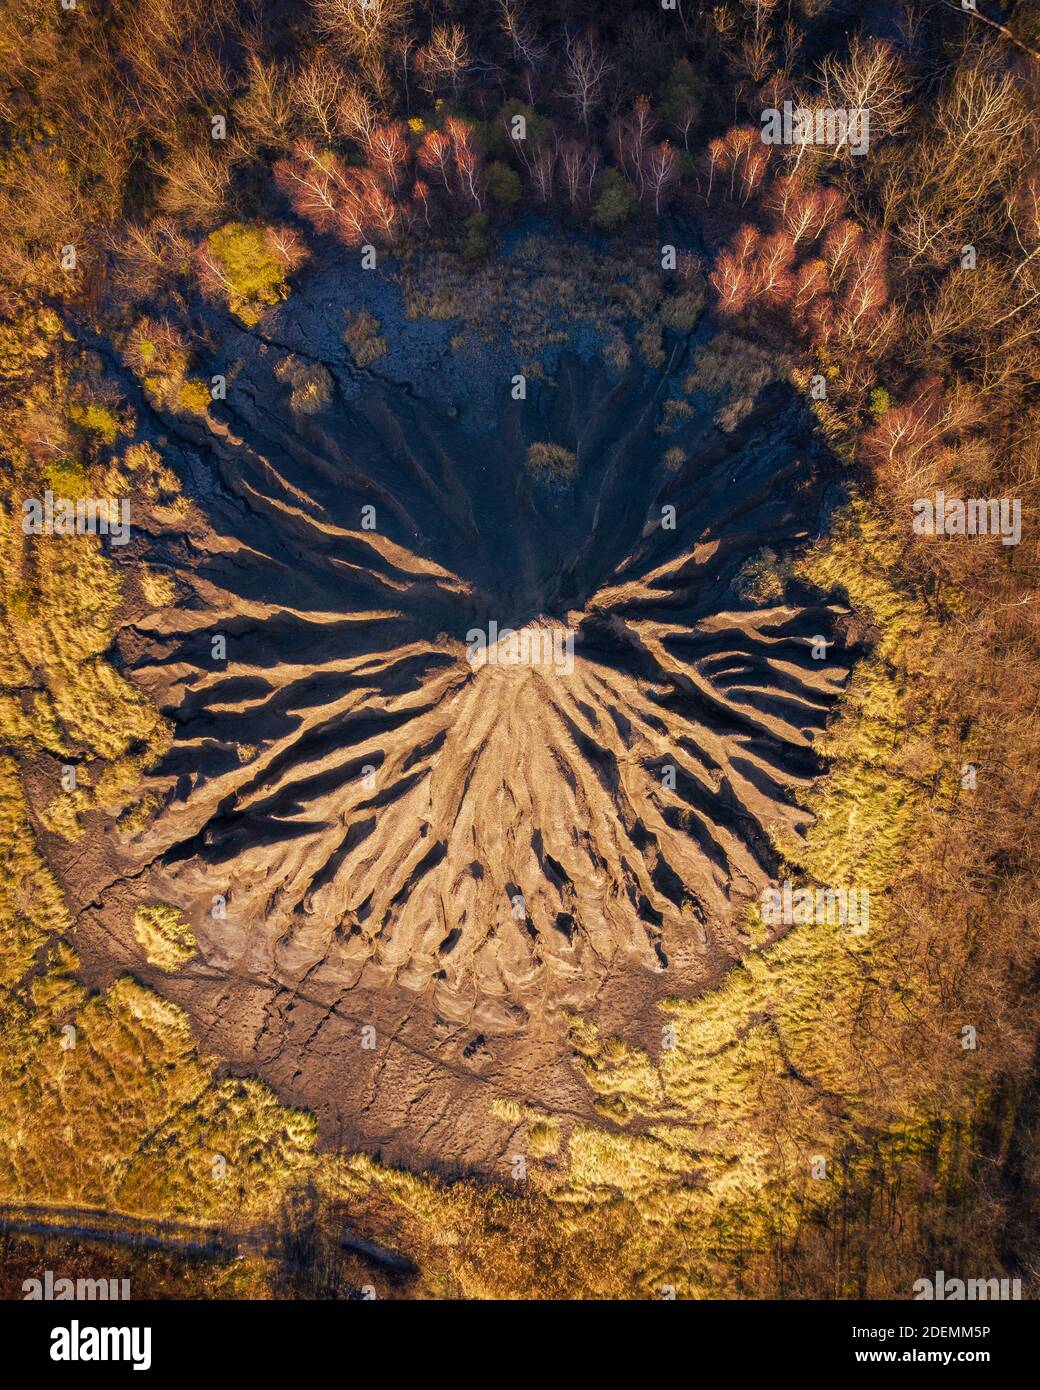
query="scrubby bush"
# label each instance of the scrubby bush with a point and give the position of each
(248, 265)
(310, 383)
(613, 202)
(550, 462)
(680, 312)
(96, 419)
(879, 402)
(762, 578)
(477, 239)
(194, 396)
(362, 337)
(504, 186)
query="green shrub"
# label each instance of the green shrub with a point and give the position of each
(66, 478)
(19, 605)
(477, 240)
(253, 278)
(97, 419)
(683, 97)
(503, 186)
(194, 396)
(614, 201)
(537, 128)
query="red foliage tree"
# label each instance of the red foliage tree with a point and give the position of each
(904, 443)
(387, 152)
(811, 281)
(772, 275)
(313, 180)
(804, 213)
(840, 247)
(733, 278)
(737, 145)
(753, 167)
(866, 285)
(435, 156)
(353, 204)
(421, 199)
(469, 161)
(714, 159)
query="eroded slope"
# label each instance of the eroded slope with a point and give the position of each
(365, 822)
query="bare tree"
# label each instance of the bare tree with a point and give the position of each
(522, 33)
(630, 137)
(578, 162)
(953, 177)
(994, 24)
(543, 169)
(871, 78)
(148, 255)
(587, 69)
(1023, 214)
(444, 60)
(194, 184)
(662, 172)
(364, 29)
(387, 152)
(403, 46)
(356, 117)
(318, 89)
(264, 115)
(468, 160)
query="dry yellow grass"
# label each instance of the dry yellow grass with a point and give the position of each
(550, 463)
(165, 935)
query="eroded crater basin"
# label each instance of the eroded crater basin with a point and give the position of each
(479, 721)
